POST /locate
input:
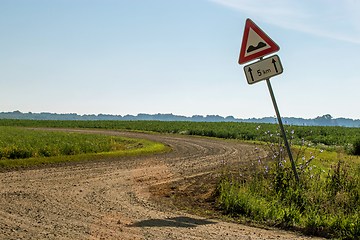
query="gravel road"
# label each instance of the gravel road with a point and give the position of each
(111, 199)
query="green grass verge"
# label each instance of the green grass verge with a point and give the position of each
(23, 148)
(147, 149)
(326, 202)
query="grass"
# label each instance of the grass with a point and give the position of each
(23, 148)
(326, 201)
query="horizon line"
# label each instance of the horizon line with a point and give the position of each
(176, 115)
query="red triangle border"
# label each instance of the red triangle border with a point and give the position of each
(273, 46)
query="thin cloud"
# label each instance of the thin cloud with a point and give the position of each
(326, 18)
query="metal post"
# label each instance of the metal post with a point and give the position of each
(282, 130)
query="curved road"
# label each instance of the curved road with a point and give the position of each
(112, 199)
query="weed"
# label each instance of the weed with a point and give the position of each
(325, 203)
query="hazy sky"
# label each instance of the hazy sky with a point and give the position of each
(177, 56)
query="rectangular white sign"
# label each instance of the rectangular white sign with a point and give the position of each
(263, 69)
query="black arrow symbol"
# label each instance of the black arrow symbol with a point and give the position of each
(250, 71)
(273, 61)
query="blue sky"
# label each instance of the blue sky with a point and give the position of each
(177, 56)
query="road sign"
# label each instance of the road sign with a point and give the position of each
(255, 43)
(263, 69)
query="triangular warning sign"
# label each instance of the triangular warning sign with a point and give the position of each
(255, 43)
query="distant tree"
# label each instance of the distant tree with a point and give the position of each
(197, 118)
(214, 118)
(230, 119)
(325, 120)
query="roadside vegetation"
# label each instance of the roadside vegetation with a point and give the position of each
(325, 202)
(21, 147)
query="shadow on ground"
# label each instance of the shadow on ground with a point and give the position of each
(184, 222)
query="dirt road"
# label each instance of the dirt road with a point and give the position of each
(118, 198)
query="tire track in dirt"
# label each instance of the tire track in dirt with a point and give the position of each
(113, 199)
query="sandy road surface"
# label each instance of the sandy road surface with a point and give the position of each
(111, 199)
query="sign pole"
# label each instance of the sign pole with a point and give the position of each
(257, 44)
(282, 130)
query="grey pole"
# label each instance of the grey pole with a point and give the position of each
(282, 130)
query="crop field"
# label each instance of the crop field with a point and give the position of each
(328, 136)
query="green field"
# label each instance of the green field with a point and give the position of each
(323, 136)
(21, 147)
(20, 143)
